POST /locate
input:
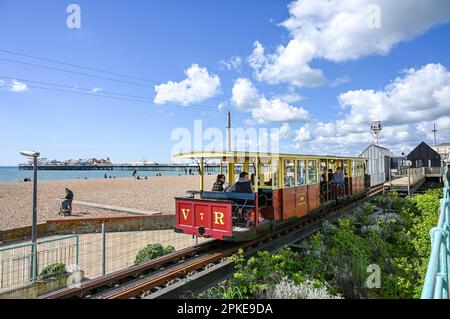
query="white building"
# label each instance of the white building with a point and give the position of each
(379, 163)
(444, 151)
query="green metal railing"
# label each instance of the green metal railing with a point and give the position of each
(19, 266)
(436, 284)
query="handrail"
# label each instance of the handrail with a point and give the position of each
(436, 284)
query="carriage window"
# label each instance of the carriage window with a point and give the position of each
(265, 175)
(238, 168)
(289, 174)
(275, 173)
(301, 172)
(323, 171)
(346, 168)
(312, 172)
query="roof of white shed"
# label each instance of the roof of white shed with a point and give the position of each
(385, 151)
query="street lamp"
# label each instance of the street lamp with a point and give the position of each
(33, 268)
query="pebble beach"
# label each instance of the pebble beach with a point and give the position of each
(155, 194)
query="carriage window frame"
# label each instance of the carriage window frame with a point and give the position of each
(288, 170)
(312, 175)
(275, 168)
(299, 173)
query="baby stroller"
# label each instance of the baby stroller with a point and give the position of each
(65, 208)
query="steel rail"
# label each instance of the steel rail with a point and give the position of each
(135, 287)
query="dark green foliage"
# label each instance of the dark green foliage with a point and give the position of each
(53, 270)
(152, 251)
(390, 231)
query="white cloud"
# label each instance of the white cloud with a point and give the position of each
(339, 30)
(17, 86)
(408, 107)
(418, 95)
(289, 64)
(197, 87)
(275, 110)
(96, 90)
(2, 83)
(289, 97)
(339, 81)
(245, 97)
(234, 63)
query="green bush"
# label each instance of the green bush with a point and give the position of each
(53, 270)
(152, 251)
(390, 231)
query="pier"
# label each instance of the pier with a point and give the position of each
(124, 167)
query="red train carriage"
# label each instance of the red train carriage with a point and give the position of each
(285, 187)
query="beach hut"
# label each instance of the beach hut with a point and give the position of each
(379, 164)
(424, 156)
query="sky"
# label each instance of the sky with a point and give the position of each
(129, 80)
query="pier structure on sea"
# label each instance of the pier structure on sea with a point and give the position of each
(125, 167)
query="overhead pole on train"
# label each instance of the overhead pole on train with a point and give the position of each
(229, 130)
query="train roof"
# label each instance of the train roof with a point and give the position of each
(240, 154)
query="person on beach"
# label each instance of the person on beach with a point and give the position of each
(243, 185)
(220, 185)
(69, 199)
(134, 174)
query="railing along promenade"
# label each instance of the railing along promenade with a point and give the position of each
(436, 284)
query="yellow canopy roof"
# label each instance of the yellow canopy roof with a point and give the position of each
(237, 154)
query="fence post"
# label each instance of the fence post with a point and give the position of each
(103, 250)
(77, 251)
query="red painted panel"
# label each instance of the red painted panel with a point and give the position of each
(301, 201)
(289, 202)
(313, 196)
(277, 202)
(202, 216)
(214, 217)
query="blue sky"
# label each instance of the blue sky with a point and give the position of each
(160, 40)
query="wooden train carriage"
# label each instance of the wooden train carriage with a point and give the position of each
(286, 186)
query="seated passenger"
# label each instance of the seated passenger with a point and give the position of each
(220, 185)
(243, 185)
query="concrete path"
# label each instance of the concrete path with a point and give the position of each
(118, 209)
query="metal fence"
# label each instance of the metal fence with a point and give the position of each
(18, 267)
(436, 280)
(105, 252)
(96, 254)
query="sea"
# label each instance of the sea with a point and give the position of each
(12, 174)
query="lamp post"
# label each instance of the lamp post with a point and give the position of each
(33, 267)
(408, 165)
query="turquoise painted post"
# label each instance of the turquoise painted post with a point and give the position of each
(437, 276)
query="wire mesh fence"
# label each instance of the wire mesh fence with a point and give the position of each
(95, 254)
(104, 253)
(21, 264)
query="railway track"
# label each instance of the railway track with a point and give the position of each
(186, 269)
